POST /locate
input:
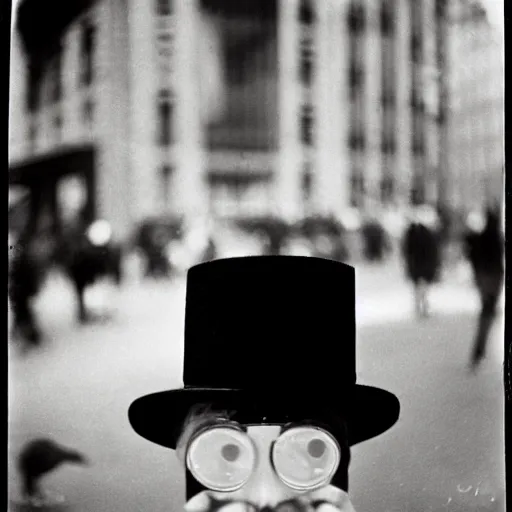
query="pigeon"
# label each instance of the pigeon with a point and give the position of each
(38, 458)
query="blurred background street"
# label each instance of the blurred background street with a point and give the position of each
(147, 137)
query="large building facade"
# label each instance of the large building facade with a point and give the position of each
(216, 107)
(476, 135)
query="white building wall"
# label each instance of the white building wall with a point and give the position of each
(287, 194)
(331, 169)
(339, 63)
(430, 97)
(18, 126)
(75, 129)
(143, 109)
(190, 181)
(373, 81)
(477, 136)
(403, 84)
(113, 162)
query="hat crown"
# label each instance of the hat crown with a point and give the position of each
(276, 323)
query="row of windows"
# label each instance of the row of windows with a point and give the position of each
(45, 79)
(358, 186)
(358, 189)
(356, 18)
(357, 141)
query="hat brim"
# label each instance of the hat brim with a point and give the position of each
(159, 417)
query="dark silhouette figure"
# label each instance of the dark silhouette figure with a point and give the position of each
(85, 262)
(422, 255)
(25, 276)
(38, 458)
(157, 262)
(375, 240)
(210, 252)
(485, 252)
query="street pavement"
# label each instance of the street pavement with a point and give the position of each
(444, 454)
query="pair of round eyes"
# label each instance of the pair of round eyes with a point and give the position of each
(224, 458)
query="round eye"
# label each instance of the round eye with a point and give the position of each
(316, 448)
(230, 452)
(221, 458)
(305, 457)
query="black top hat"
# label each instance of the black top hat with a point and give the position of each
(272, 338)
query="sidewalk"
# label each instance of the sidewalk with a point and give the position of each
(383, 292)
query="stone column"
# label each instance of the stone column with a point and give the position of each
(331, 192)
(112, 105)
(192, 195)
(373, 109)
(287, 189)
(404, 170)
(73, 98)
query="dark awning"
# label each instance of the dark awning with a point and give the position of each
(235, 178)
(52, 166)
(41, 23)
(263, 9)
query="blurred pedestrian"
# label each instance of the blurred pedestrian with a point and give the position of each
(269, 430)
(484, 249)
(25, 279)
(211, 251)
(421, 250)
(89, 255)
(375, 240)
(156, 252)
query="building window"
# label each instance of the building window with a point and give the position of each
(88, 112)
(32, 136)
(440, 9)
(87, 51)
(57, 121)
(418, 192)
(356, 17)
(165, 175)
(307, 125)
(417, 102)
(387, 189)
(307, 182)
(388, 144)
(33, 88)
(355, 79)
(165, 120)
(55, 77)
(387, 21)
(388, 98)
(418, 146)
(306, 64)
(416, 47)
(306, 12)
(357, 189)
(357, 139)
(163, 7)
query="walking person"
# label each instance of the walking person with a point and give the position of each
(485, 251)
(422, 255)
(25, 277)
